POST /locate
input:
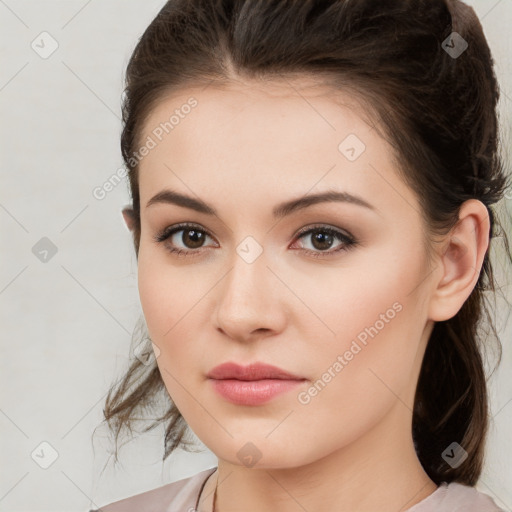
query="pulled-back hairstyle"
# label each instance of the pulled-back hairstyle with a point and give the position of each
(437, 109)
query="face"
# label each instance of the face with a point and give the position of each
(334, 292)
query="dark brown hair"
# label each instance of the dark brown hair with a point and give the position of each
(438, 110)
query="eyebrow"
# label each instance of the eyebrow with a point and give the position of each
(168, 196)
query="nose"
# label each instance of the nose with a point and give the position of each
(250, 301)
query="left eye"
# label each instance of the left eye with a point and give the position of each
(324, 238)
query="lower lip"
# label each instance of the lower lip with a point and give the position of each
(252, 392)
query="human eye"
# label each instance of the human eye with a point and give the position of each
(324, 238)
(192, 237)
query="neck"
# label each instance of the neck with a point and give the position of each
(365, 476)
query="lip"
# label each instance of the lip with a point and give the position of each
(254, 371)
(254, 384)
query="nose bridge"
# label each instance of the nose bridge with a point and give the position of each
(248, 274)
(246, 302)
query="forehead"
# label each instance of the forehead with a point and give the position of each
(296, 110)
(263, 138)
(306, 100)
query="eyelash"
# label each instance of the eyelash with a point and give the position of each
(348, 241)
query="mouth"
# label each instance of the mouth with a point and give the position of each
(254, 371)
(254, 384)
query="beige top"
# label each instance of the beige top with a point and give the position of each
(183, 495)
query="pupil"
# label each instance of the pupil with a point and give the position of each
(195, 236)
(325, 240)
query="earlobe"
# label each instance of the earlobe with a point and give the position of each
(461, 260)
(129, 217)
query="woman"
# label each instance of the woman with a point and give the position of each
(312, 188)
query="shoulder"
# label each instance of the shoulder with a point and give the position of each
(180, 495)
(463, 497)
(456, 497)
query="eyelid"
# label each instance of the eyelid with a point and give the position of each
(327, 227)
(170, 230)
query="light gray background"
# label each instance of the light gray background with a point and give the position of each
(67, 323)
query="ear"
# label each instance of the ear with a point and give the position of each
(129, 217)
(460, 261)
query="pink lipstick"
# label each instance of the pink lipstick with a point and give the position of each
(254, 384)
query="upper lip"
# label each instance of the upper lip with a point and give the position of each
(254, 371)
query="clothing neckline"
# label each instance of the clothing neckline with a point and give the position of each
(441, 488)
(196, 507)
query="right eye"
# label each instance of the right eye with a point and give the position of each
(191, 236)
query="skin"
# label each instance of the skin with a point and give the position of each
(243, 149)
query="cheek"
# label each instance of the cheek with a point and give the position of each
(370, 291)
(377, 325)
(359, 375)
(166, 292)
(171, 300)
(165, 301)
